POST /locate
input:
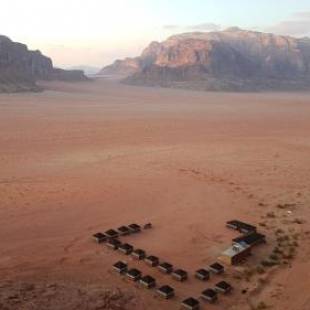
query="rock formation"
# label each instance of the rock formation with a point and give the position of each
(20, 68)
(122, 68)
(229, 60)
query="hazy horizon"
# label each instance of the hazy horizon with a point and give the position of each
(95, 33)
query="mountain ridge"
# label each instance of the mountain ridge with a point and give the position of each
(229, 60)
(20, 68)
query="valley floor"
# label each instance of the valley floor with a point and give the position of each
(85, 157)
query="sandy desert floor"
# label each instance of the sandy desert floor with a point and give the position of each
(85, 157)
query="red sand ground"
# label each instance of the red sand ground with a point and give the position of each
(86, 157)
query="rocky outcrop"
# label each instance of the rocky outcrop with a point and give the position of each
(122, 68)
(230, 60)
(67, 75)
(20, 68)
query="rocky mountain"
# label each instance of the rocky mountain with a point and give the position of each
(20, 68)
(229, 60)
(122, 68)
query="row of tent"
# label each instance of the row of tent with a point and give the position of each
(168, 292)
(120, 231)
(111, 239)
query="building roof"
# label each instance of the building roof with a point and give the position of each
(123, 229)
(166, 289)
(100, 236)
(217, 267)
(250, 239)
(223, 285)
(134, 272)
(192, 302)
(236, 249)
(126, 247)
(165, 266)
(147, 226)
(203, 272)
(111, 233)
(114, 243)
(180, 272)
(241, 226)
(152, 258)
(209, 292)
(120, 265)
(138, 252)
(134, 227)
(147, 279)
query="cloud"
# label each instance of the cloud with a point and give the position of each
(198, 27)
(206, 27)
(298, 25)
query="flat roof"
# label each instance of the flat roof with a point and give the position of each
(134, 227)
(217, 266)
(192, 302)
(165, 265)
(209, 292)
(166, 289)
(203, 271)
(152, 258)
(123, 229)
(147, 279)
(134, 272)
(223, 285)
(235, 250)
(250, 238)
(180, 272)
(241, 225)
(120, 265)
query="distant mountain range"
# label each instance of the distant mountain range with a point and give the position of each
(20, 68)
(229, 60)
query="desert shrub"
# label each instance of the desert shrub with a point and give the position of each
(282, 239)
(261, 306)
(298, 221)
(295, 244)
(262, 281)
(268, 263)
(277, 250)
(295, 236)
(279, 231)
(237, 276)
(248, 273)
(260, 269)
(289, 255)
(270, 215)
(292, 250)
(274, 257)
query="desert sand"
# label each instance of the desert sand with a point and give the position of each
(85, 157)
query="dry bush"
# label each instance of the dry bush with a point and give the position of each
(270, 215)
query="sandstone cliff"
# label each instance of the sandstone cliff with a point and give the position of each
(232, 60)
(20, 68)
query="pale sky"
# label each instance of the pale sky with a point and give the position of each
(96, 32)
